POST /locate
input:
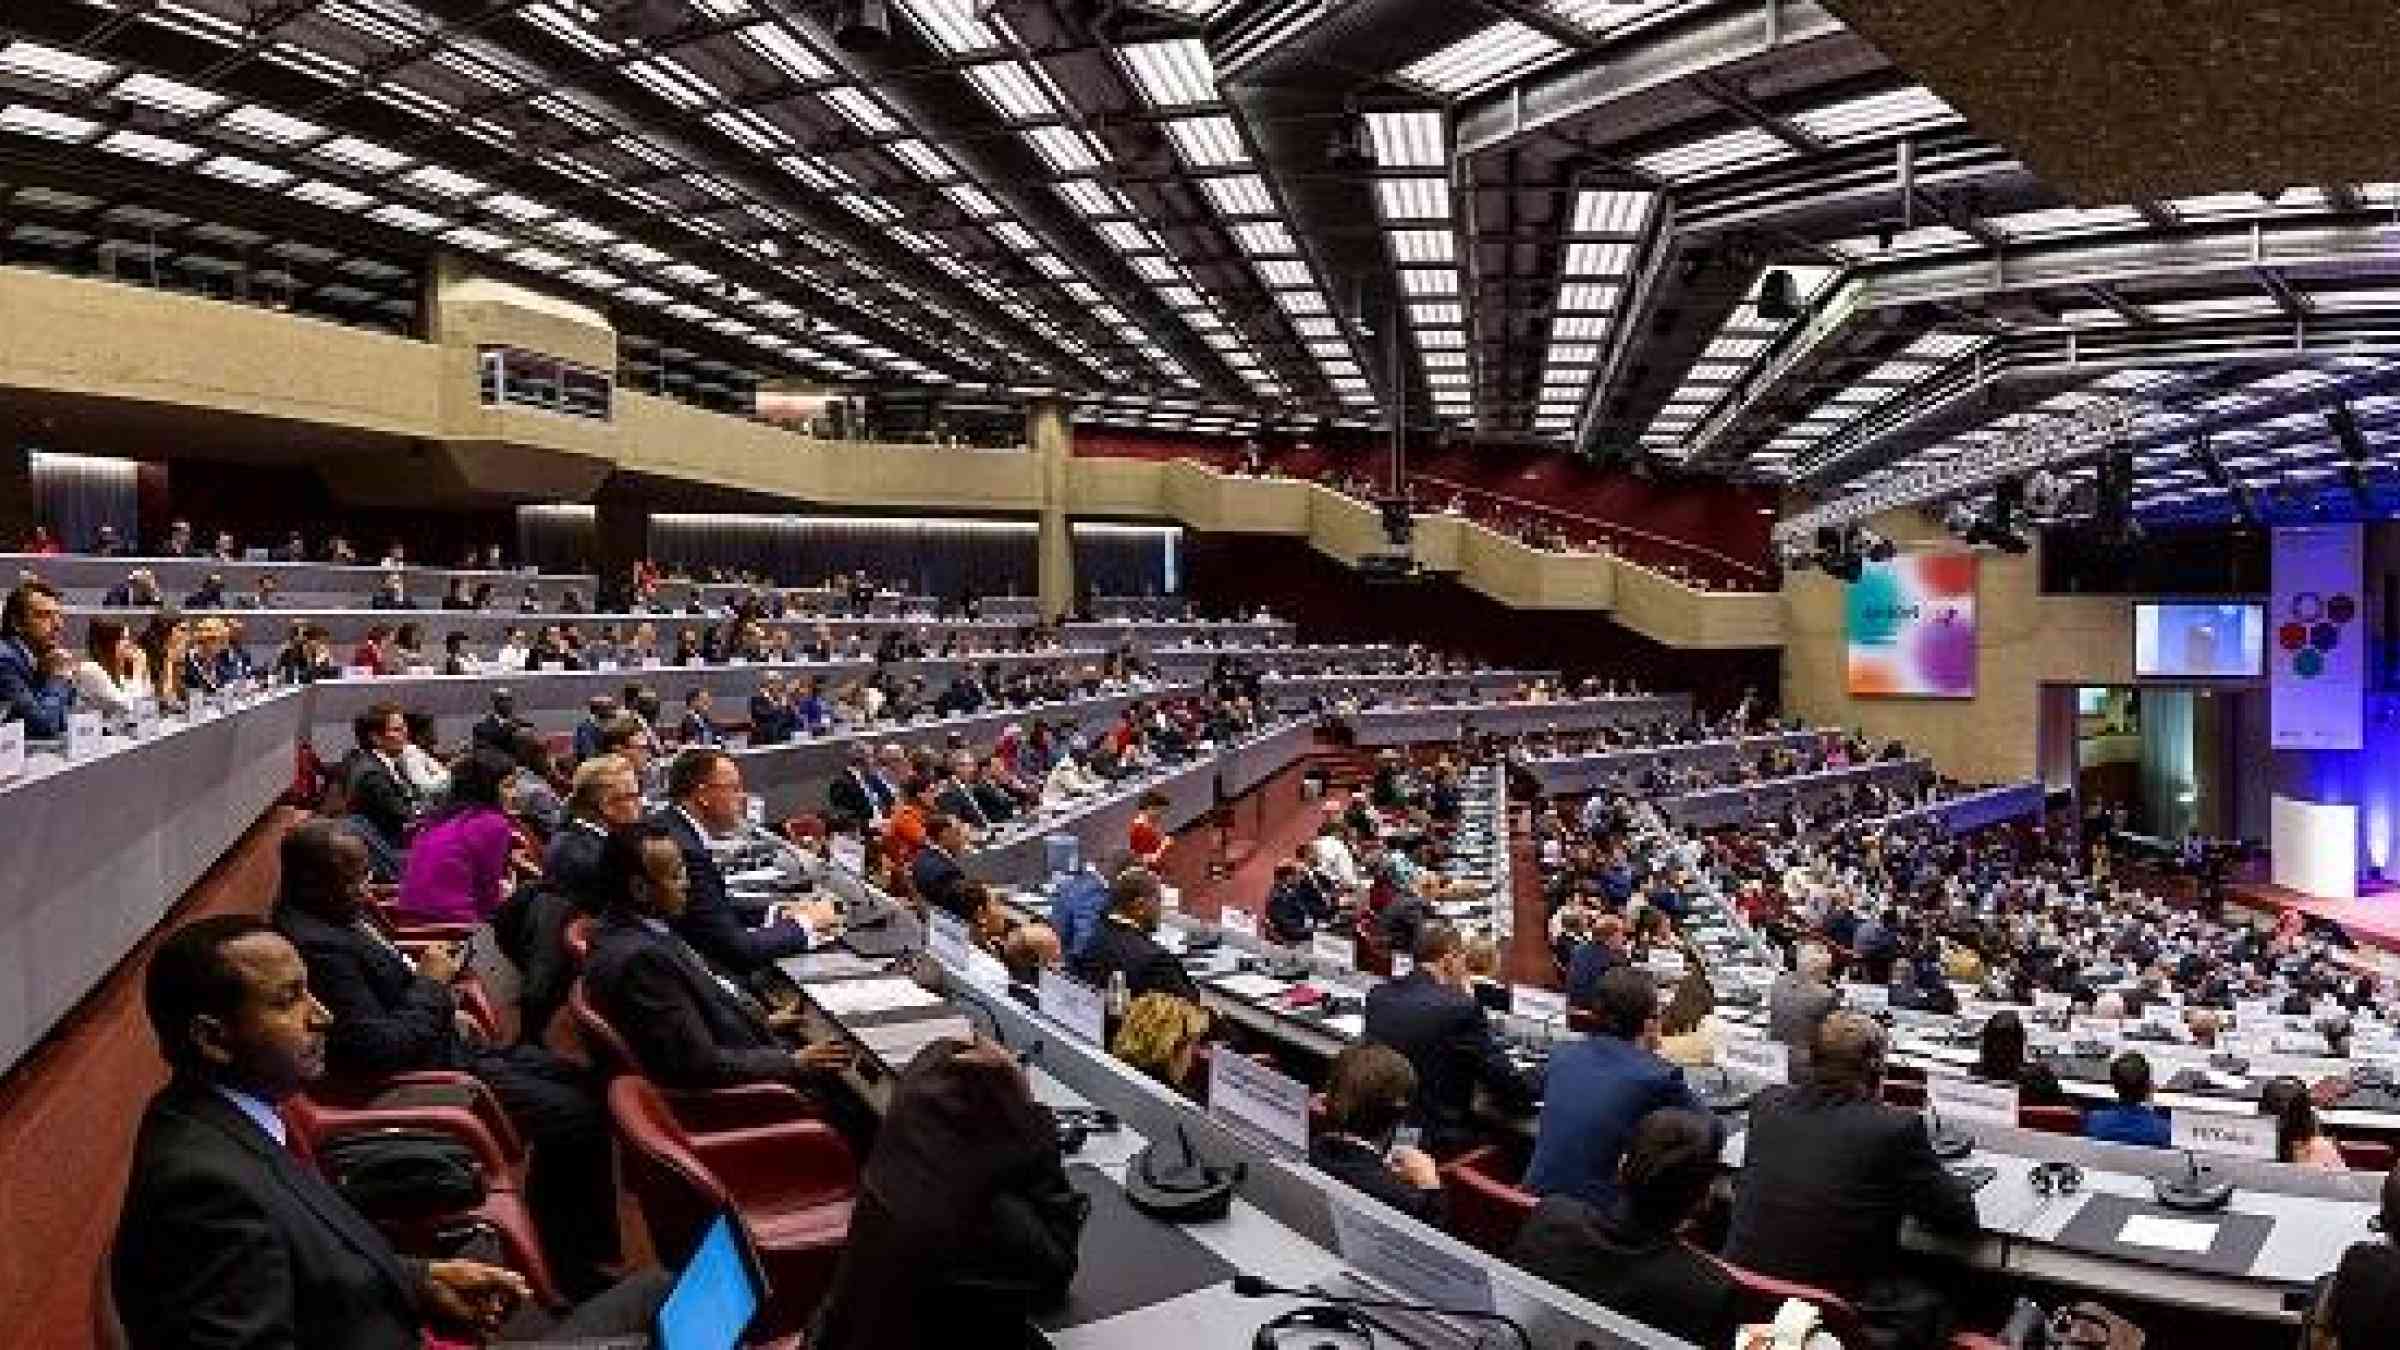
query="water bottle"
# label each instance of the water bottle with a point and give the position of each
(1119, 996)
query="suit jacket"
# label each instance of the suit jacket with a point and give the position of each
(709, 920)
(771, 723)
(1825, 1183)
(960, 801)
(1149, 968)
(227, 1240)
(1295, 907)
(386, 1018)
(41, 701)
(687, 1029)
(380, 797)
(698, 730)
(1629, 1267)
(1362, 1168)
(940, 882)
(858, 796)
(1449, 1041)
(1597, 1090)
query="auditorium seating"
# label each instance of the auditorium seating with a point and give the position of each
(1484, 1210)
(792, 1183)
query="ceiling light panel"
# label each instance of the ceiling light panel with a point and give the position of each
(957, 27)
(1413, 198)
(1484, 58)
(1746, 148)
(1172, 74)
(1408, 140)
(1010, 87)
(1208, 142)
(54, 66)
(168, 96)
(1895, 113)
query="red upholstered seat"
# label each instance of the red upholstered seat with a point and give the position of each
(791, 1183)
(1763, 1294)
(2051, 1119)
(1485, 1210)
(481, 1126)
(2366, 1155)
(1905, 1092)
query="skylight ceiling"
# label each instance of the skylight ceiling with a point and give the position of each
(1724, 364)
(1606, 228)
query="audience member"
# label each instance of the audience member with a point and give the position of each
(36, 666)
(1799, 1000)
(1829, 1172)
(606, 794)
(1632, 1257)
(2299, 1139)
(115, 674)
(1367, 1094)
(391, 1017)
(936, 875)
(1599, 1088)
(1430, 1016)
(2133, 1120)
(378, 791)
(1123, 945)
(705, 801)
(227, 1238)
(1161, 1035)
(2000, 1058)
(2360, 1303)
(966, 1225)
(458, 865)
(687, 1027)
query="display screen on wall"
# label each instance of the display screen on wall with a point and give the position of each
(2198, 641)
(1912, 627)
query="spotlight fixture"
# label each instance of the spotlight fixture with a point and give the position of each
(2048, 494)
(1778, 300)
(862, 25)
(1872, 546)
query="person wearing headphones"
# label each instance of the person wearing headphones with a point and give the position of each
(1829, 1172)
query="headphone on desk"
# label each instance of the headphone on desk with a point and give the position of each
(1319, 1326)
(2055, 1178)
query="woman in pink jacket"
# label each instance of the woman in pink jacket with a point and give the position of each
(458, 861)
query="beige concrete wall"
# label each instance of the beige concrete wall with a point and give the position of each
(77, 335)
(2024, 639)
(465, 308)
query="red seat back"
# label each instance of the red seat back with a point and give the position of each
(2366, 1155)
(678, 1193)
(1484, 1210)
(2051, 1119)
(1763, 1294)
(1904, 1092)
(609, 1051)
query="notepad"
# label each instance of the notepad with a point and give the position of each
(2174, 1235)
(861, 998)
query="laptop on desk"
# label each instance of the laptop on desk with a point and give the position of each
(711, 1304)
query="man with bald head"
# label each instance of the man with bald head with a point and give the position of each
(1829, 1172)
(393, 1015)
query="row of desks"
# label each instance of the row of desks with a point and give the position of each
(1567, 775)
(1416, 724)
(1711, 808)
(1142, 1284)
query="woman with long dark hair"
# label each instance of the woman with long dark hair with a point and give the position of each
(2299, 1139)
(115, 672)
(458, 864)
(2000, 1058)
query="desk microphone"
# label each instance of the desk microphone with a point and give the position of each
(1257, 1286)
(2199, 1190)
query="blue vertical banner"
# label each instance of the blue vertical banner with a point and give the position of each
(2317, 639)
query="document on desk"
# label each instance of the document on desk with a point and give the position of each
(1252, 986)
(865, 998)
(896, 1043)
(2174, 1235)
(1350, 1025)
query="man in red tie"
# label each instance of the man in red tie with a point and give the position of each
(227, 1238)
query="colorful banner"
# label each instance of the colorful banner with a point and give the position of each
(2317, 639)
(1912, 627)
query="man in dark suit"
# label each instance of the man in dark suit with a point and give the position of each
(698, 728)
(379, 792)
(688, 1029)
(1297, 903)
(226, 1238)
(772, 721)
(957, 793)
(1606, 950)
(1829, 1172)
(1631, 1257)
(498, 728)
(1430, 1015)
(1599, 1088)
(704, 791)
(597, 713)
(391, 1018)
(1123, 942)
(939, 881)
(859, 793)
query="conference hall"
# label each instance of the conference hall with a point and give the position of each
(1124, 674)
